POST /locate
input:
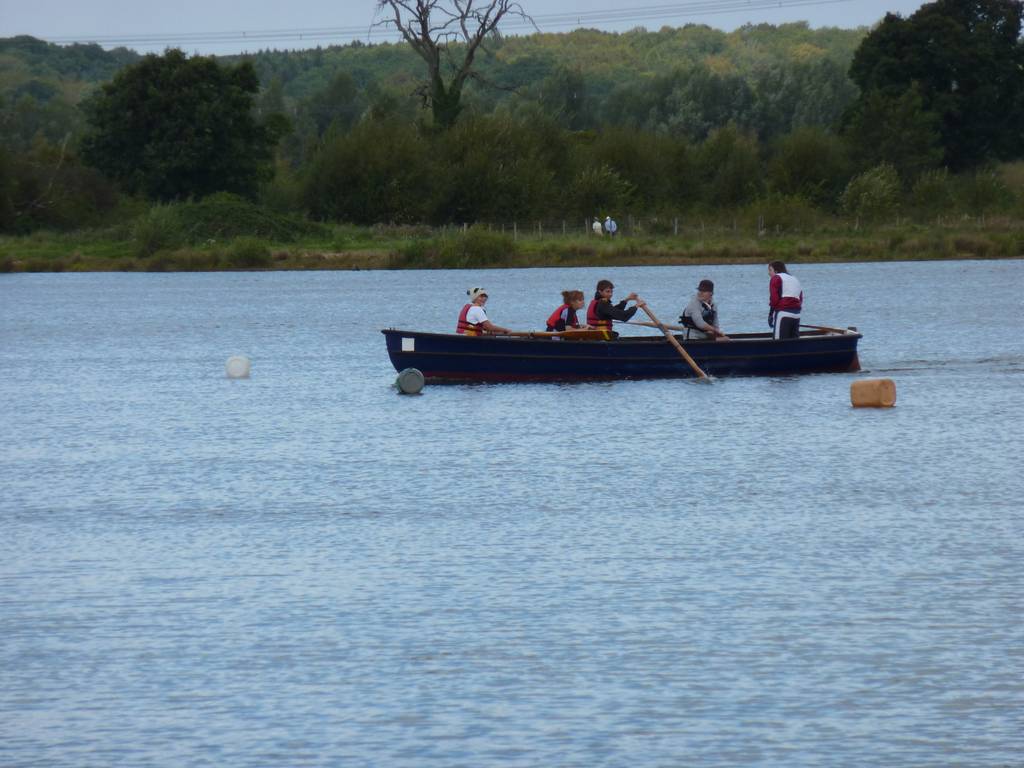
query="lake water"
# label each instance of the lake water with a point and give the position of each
(306, 568)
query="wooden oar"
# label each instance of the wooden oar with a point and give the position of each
(653, 325)
(575, 333)
(824, 328)
(672, 340)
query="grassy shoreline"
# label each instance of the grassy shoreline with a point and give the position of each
(356, 248)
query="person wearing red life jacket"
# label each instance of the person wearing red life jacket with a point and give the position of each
(785, 300)
(565, 316)
(602, 312)
(473, 319)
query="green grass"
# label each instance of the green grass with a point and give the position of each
(164, 247)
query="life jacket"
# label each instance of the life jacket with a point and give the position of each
(569, 316)
(466, 327)
(597, 322)
(790, 296)
(708, 314)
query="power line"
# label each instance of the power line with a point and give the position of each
(542, 22)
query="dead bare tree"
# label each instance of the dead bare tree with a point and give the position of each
(447, 34)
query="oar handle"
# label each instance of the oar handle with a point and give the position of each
(827, 328)
(672, 340)
(582, 333)
(653, 325)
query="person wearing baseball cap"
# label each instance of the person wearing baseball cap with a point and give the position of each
(701, 315)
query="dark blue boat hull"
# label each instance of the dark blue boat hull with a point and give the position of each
(452, 357)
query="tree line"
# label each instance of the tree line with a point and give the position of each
(927, 107)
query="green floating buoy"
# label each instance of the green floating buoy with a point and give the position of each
(410, 381)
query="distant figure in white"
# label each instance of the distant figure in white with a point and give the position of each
(596, 226)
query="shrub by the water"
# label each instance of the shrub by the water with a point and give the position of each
(214, 219)
(157, 230)
(249, 253)
(873, 194)
(223, 216)
(475, 247)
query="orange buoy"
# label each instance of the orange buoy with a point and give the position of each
(873, 393)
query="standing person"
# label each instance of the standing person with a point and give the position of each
(473, 319)
(565, 316)
(610, 226)
(596, 226)
(785, 300)
(601, 311)
(701, 315)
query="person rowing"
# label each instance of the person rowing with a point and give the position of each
(701, 315)
(473, 319)
(602, 312)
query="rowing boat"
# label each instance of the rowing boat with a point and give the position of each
(454, 357)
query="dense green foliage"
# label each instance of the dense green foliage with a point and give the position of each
(953, 72)
(690, 123)
(171, 127)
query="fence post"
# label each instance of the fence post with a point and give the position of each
(515, 230)
(539, 235)
(563, 227)
(675, 226)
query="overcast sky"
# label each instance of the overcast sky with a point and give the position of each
(217, 26)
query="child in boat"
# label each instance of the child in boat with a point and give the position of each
(602, 312)
(565, 316)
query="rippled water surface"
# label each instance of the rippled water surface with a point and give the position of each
(306, 568)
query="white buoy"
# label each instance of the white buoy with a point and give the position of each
(410, 381)
(237, 367)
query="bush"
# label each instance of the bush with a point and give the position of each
(476, 247)
(159, 229)
(982, 192)
(788, 212)
(249, 253)
(873, 194)
(932, 193)
(223, 216)
(219, 217)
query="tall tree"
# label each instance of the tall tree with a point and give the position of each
(967, 59)
(171, 127)
(433, 28)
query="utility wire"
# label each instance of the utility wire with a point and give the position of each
(543, 22)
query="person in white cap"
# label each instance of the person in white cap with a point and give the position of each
(473, 319)
(610, 226)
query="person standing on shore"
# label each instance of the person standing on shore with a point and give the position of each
(596, 226)
(701, 315)
(610, 226)
(473, 319)
(785, 300)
